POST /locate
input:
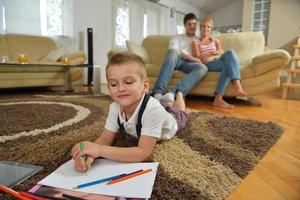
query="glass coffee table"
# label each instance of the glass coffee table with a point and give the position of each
(35, 66)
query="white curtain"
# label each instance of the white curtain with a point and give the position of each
(120, 22)
(153, 16)
(22, 16)
(163, 20)
(136, 21)
(56, 17)
(37, 17)
(2, 22)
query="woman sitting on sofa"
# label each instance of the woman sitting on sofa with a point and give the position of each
(210, 52)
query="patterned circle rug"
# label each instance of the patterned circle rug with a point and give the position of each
(207, 160)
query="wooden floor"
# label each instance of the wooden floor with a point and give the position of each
(277, 175)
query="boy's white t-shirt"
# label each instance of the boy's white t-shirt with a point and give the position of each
(156, 121)
(182, 43)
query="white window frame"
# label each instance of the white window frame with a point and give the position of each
(263, 22)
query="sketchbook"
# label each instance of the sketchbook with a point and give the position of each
(66, 177)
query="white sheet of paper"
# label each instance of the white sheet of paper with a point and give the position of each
(138, 187)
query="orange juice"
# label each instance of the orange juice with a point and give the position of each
(22, 58)
(66, 61)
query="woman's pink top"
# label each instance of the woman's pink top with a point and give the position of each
(206, 48)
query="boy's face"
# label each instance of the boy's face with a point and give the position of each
(191, 26)
(126, 85)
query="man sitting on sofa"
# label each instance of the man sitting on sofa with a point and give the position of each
(180, 58)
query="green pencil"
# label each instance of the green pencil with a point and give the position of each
(83, 157)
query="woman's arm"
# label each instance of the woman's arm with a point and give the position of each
(220, 50)
(197, 54)
(195, 50)
(189, 58)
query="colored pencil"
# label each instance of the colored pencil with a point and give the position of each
(129, 176)
(47, 197)
(13, 193)
(134, 172)
(98, 181)
(83, 157)
(32, 196)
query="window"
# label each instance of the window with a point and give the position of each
(121, 23)
(260, 16)
(136, 19)
(179, 23)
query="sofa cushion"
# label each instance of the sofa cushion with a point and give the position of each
(157, 46)
(246, 44)
(138, 50)
(54, 55)
(4, 51)
(35, 46)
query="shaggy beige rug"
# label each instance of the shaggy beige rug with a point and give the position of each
(207, 160)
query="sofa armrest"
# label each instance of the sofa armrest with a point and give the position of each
(270, 60)
(76, 58)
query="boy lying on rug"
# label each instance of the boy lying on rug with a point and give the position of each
(128, 85)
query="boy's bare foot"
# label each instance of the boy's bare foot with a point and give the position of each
(222, 104)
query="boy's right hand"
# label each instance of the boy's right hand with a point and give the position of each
(80, 166)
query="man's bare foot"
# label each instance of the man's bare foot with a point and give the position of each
(222, 104)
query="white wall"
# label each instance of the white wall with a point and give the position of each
(283, 23)
(183, 7)
(97, 15)
(228, 15)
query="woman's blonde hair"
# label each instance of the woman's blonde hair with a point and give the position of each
(208, 20)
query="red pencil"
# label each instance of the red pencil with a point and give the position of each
(123, 178)
(13, 193)
(31, 196)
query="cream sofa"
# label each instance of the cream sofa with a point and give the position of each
(37, 48)
(259, 68)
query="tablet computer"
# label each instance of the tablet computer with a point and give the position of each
(13, 173)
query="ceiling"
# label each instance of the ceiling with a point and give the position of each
(208, 5)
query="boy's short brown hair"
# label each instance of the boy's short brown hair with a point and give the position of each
(125, 57)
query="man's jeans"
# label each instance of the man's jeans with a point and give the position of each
(228, 65)
(195, 72)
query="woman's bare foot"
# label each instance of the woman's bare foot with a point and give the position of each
(238, 89)
(219, 102)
